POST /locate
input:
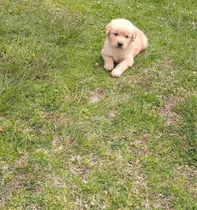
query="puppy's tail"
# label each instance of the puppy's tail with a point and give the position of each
(145, 41)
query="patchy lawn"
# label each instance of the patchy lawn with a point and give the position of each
(71, 136)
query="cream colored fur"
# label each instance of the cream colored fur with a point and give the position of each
(123, 43)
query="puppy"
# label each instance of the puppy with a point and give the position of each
(123, 43)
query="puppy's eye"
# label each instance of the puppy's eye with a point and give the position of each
(115, 34)
(127, 36)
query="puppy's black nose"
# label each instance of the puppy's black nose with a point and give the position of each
(120, 44)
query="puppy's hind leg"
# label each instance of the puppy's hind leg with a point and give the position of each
(109, 62)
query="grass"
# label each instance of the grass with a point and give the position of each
(71, 136)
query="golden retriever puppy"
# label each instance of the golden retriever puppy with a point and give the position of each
(124, 41)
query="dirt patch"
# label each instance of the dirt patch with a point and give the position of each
(80, 171)
(167, 111)
(54, 117)
(14, 185)
(22, 161)
(112, 114)
(163, 202)
(34, 207)
(167, 63)
(2, 118)
(96, 95)
(56, 181)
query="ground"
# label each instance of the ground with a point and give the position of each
(73, 137)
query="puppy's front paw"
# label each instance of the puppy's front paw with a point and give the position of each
(116, 73)
(109, 66)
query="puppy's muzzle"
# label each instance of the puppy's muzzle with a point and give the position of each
(119, 44)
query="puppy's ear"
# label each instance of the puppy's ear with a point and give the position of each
(108, 28)
(134, 35)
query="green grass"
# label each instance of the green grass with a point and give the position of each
(71, 136)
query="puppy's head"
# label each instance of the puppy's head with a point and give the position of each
(121, 33)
